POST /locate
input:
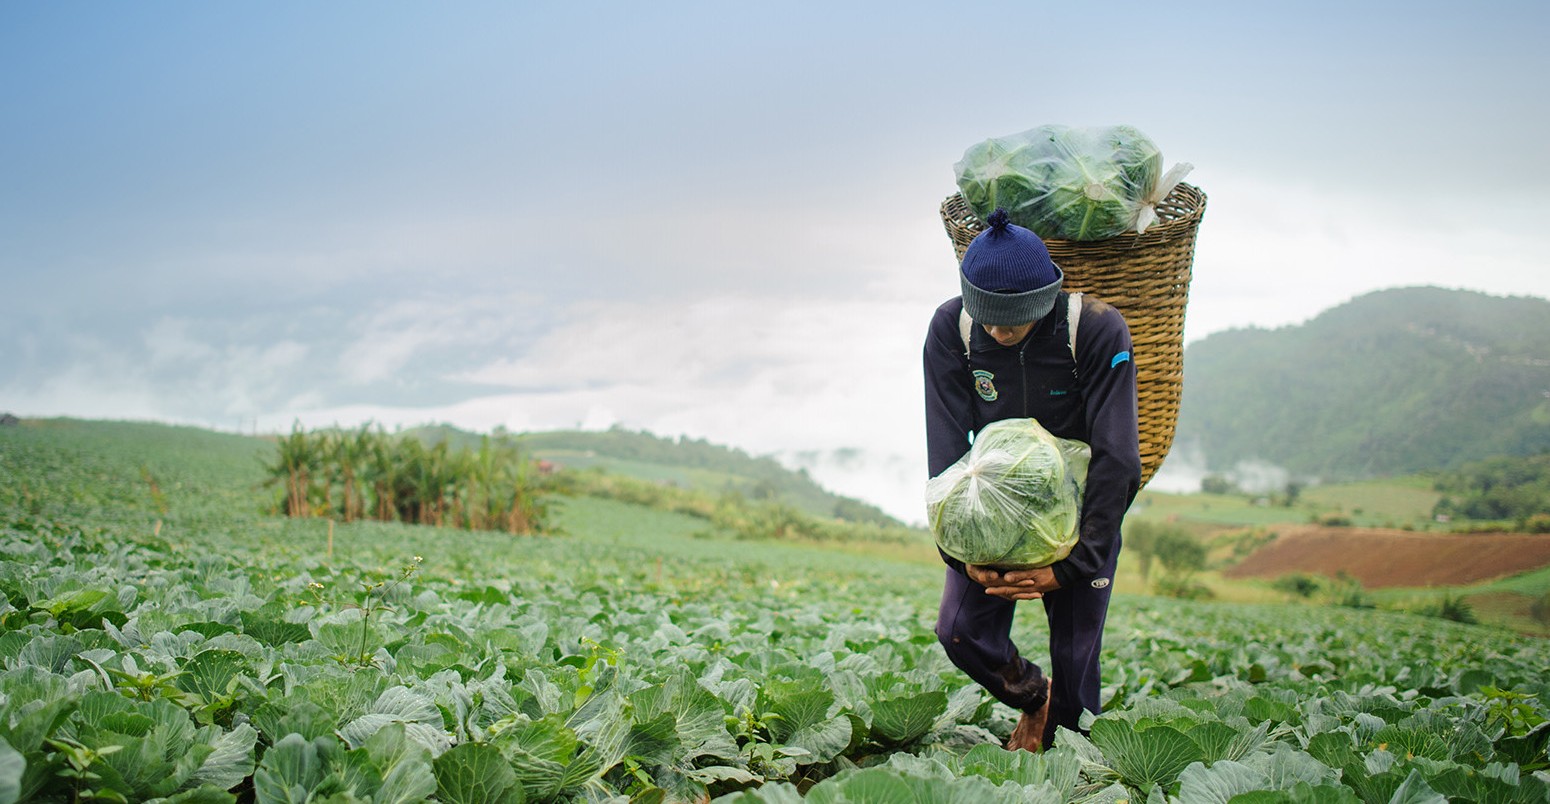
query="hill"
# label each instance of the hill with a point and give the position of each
(684, 462)
(1392, 382)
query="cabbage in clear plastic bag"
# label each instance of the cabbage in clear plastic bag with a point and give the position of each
(1068, 183)
(1014, 500)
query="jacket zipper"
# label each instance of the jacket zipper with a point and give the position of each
(1022, 369)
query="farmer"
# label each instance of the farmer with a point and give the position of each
(1019, 363)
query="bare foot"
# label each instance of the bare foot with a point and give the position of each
(1029, 734)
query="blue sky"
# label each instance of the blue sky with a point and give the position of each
(702, 218)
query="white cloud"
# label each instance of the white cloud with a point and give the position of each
(385, 339)
(1273, 255)
(168, 342)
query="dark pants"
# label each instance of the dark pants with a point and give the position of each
(976, 630)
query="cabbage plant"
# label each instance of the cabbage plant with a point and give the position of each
(1014, 500)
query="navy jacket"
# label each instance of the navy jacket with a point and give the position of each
(1091, 399)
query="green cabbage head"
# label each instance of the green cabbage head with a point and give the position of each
(1014, 500)
(1063, 182)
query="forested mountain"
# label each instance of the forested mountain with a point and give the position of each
(1392, 382)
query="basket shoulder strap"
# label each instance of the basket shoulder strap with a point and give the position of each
(1073, 319)
(965, 326)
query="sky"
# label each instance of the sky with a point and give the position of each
(716, 220)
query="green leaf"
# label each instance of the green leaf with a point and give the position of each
(1415, 790)
(1462, 783)
(1215, 739)
(351, 772)
(887, 784)
(476, 773)
(80, 608)
(722, 773)
(1333, 748)
(409, 780)
(281, 717)
(158, 763)
(1219, 783)
(49, 652)
(1286, 766)
(273, 631)
(1404, 741)
(545, 692)
(654, 742)
(1057, 766)
(208, 630)
(540, 752)
(204, 794)
(799, 709)
(699, 716)
(417, 712)
(391, 746)
(771, 793)
(30, 726)
(209, 674)
(232, 760)
(1528, 750)
(1302, 793)
(288, 772)
(1143, 758)
(1258, 709)
(822, 741)
(907, 718)
(346, 633)
(12, 767)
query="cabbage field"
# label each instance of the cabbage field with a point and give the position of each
(163, 637)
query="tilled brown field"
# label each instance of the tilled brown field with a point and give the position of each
(1385, 558)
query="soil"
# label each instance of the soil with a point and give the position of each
(1388, 558)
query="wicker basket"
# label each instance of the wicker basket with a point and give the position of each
(1147, 277)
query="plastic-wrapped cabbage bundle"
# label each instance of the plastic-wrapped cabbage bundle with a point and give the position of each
(1068, 183)
(1014, 500)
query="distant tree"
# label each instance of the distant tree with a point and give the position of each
(1217, 484)
(1139, 541)
(1179, 553)
(1293, 492)
(1540, 608)
(1299, 584)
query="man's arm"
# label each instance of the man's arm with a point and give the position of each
(1107, 372)
(949, 408)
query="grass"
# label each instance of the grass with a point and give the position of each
(1404, 502)
(1401, 503)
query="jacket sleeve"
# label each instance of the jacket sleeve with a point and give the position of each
(1107, 373)
(949, 408)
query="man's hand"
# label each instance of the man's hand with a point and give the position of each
(1028, 584)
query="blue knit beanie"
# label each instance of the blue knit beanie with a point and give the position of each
(1007, 276)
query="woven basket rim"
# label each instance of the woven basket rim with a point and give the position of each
(1178, 212)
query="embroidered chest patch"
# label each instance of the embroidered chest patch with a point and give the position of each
(984, 385)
